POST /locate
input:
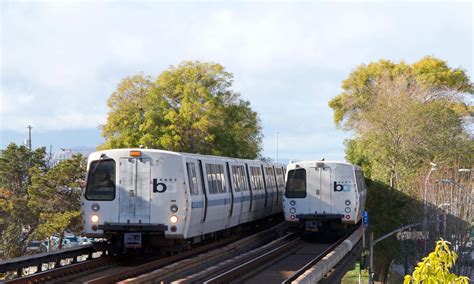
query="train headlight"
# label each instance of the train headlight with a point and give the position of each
(174, 208)
(95, 207)
(173, 219)
(292, 210)
(347, 210)
(292, 203)
(95, 218)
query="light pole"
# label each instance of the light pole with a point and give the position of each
(444, 217)
(425, 201)
(277, 146)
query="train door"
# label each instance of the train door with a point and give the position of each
(236, 195)
(239, 185)
(134, 190)
(196, 197)
(319, 190)
(218, 196)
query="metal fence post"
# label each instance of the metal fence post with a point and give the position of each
(371, 256)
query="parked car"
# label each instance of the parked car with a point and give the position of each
(35, 247)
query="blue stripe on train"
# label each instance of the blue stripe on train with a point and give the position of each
(217, 202)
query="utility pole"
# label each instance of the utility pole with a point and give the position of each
(277, 146)
(29, 136)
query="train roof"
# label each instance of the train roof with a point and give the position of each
(178, 153)
(321, 161)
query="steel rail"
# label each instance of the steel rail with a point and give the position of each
(153, 265)
(251, 265)
(212, 259)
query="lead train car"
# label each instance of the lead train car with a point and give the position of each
(138, 197)
(324, 195)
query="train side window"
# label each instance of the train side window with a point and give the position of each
(222, 188)
(210, 178)
(296, 184)
(192, 179)
(256, 176)
(271, 177)
(236, 178)
(215, 178)
(280, 180)
(243, 177)
(101, 181)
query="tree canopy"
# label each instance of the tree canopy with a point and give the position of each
(405, 117)
(37, 201)
(435, 268)
(188, 108)
(432, 73)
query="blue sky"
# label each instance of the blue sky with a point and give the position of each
(60, 61)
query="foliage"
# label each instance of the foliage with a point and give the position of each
(55, 197)
(389, 209)
(15, 161)
(429, 72)
(36, 201)
(188, 108)
(435, 268)
(402, 123)
(17, 221)
(404, 117)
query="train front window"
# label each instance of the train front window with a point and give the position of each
(296, 184)
(101, 180)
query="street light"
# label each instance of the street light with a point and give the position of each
(425, 201)
(433, 167)
(444, 218)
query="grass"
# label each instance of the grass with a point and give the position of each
(352, 276)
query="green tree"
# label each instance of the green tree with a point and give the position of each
(54, 197)
(17, 221)
(36, 201)
(404, 117)
(188, 108)
(429, 72)
(435, 268)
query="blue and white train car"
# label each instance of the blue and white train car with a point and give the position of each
(324, 195)
(135, 197)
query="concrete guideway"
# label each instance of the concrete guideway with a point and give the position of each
(322, 267)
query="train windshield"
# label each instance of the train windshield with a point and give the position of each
(101, 180)
(296, 184)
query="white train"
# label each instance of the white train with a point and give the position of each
(138, 197)
(324, 195)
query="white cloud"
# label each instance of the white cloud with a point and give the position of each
(60, 61)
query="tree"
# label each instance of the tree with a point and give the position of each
(189, 108)
(404, 117)
(400, 131)
(17, 221)
(36, 201)
(429, 72)
(54, 197)
(435, 268)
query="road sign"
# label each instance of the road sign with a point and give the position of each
(365, 219)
